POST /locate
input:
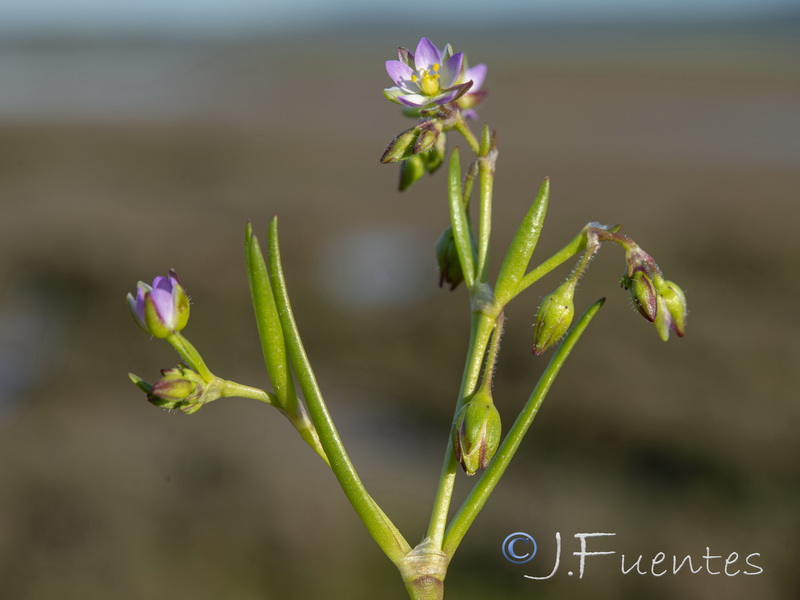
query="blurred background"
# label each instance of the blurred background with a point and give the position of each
(142, 136)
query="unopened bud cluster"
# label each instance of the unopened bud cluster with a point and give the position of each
(179, 388)
(659, 301)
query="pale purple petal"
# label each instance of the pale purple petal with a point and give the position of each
(426, 55)
(447, 53)
(453, 93)
(451, 70)
(163, 283)
(398, 72)
(142, 289)
(164, 304)
(405, 56)
(477, 74)
(445, 98)
(415, 100)
(392, 93)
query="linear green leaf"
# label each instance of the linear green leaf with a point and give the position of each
(459, 221)
(522, 246)
(379, 525)
(268, 321)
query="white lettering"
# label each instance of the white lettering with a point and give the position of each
(635, 565)
(657, 560)
(749, 564)
(583, 553)
(558, 560)
(677, 567)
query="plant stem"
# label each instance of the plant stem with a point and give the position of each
(480, 331)
(190, 354)
(464, 130)
(577, 244)
(476, 499)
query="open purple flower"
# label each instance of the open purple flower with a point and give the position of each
(160, 309)
(427, 77)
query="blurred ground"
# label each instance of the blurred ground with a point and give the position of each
(118, 161)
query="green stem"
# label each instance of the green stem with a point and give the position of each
(377, 523)
(299, 420)
(190, 354)
(464, 130)
(577, 244)
(231, 388)
(476, 499)
(480, 332)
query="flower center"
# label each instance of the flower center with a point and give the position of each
(428, 80)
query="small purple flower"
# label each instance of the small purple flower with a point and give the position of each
(427, 77)
(475, 94)
(161, 309)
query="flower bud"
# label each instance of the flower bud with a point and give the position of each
(401, 147)
(672, 308)
(411, 170)
(447, 257)
(428, 134)
(162, 309)
(434, 157)
(180, 388)
(643, 293)
(476, 435)
(554, 317)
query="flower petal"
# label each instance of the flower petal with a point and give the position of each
(405, 56)
(426, 55)
(392, 93)
(447, 53)
(477, 74)
(164, 305)
(454, 93)
(414, 100)
(163, 283)
(398, 72)
(451, 70)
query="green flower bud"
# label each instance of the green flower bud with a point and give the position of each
(554, 317)
(476, 435)
(411, 170)
(672, 308)
(401, 147)
(643, 293)
(180, 388)
(433, 157)
(428, 134)
(447, 257)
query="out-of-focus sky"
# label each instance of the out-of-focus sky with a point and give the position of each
(198, 16)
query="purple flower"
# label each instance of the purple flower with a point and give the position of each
(161, 309)
(475, 94)
(427, 77)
